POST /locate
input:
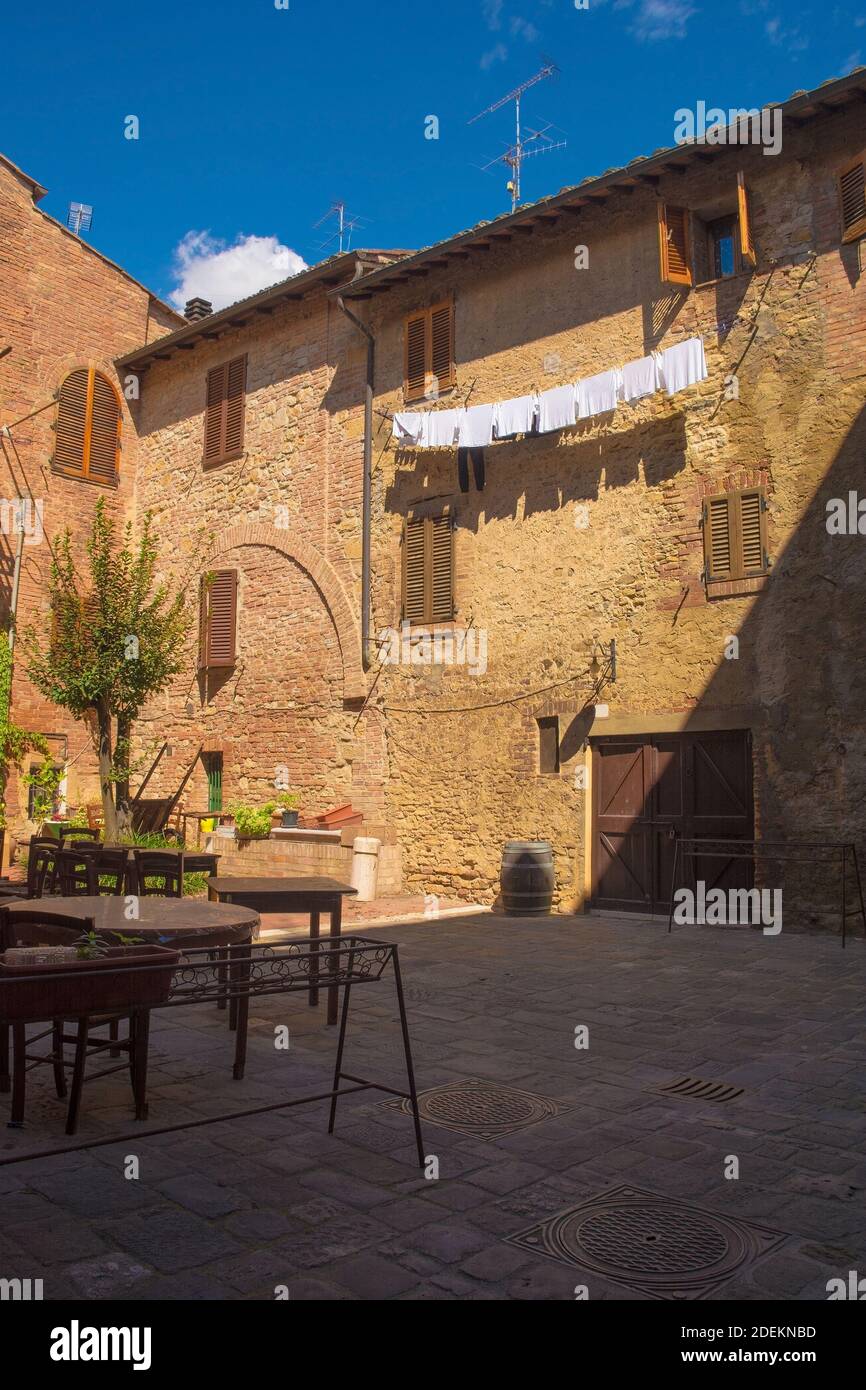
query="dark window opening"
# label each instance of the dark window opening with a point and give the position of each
(723, 247)
(548, 744)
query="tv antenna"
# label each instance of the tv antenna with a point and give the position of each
(79, 218)
(537, 141)
(346, 225)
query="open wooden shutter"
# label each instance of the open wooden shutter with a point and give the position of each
(852, 197)
(442, 344)
(72, 423)
(717, 538)
(751, 538)
(735, 535)
(218, 622)
(225, 410)
(415, 382)
(104, 432)
(674, 245)
(414, 569)
(744, 208)
(441, 570)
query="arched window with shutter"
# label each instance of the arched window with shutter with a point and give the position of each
(87, 432)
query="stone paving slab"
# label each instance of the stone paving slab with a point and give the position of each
(236, 1209)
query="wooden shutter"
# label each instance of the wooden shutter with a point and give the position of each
(218, 619)
(852, 198)
(735, 535)
(442, 344)
(428, 570)
(744, 209)
(674, 245)
(225, 410)
(72, 423)
(104, 432)
(415, 381)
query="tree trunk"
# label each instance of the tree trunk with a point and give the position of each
(121, 795)
(106, 785)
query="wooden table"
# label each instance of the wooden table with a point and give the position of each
(311, 895)
(198, 817)
(168, 921)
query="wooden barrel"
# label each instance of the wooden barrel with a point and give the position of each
(527, 879)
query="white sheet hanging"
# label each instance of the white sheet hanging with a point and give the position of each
(557, 409)
(684, 365)
(598, 394)
(476, 427)
(408, 428)
(641, 378)
(516, 416)
(442, 427)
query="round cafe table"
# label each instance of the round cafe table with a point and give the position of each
(167, 921)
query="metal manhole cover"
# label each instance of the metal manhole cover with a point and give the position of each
(482, 1109)
(653, 1244)
(696, 1088)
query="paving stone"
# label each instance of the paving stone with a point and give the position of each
(171, 1239)
(107, 1276)
(56, 1240)
(449, 1240)
(370, 1276)
(203, 1197)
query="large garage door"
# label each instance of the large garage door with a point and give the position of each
(648, 790)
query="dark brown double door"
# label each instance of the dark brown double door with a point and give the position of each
(649, 790)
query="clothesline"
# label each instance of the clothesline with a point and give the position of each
(474, 427)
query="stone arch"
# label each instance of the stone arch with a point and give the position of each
(327, 582)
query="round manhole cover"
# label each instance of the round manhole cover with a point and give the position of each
(478, 1107)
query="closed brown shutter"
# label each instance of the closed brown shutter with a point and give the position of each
(674, 245)
(224, 411)
(428, 570)
(87, 439)
(218, 619)
(852, 197)
(442, 344)
(415, 382)
(747, 244)
(735, 536)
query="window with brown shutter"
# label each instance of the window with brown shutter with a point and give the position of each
(224, 411)
(428, 569)
(218, 612)
(852, 199)
(744, 214)
(429, 352)
(675, 261)
(735, 535)
(87, 429)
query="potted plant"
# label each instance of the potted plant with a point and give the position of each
(252, 822)
(101, 979)
(288, 801)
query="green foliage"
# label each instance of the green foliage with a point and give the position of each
(15, 742)
(252, 822)
(289, 800)
(46, 779)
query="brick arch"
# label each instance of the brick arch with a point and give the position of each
(327, 582)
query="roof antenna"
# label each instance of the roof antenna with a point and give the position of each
(346, 225)
(79, 218)
(539, 140)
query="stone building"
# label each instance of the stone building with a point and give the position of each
(66, 312)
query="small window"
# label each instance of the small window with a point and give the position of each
(548, 744)
(428, 570)
(852, 199)
(735, 535)
(218, 605)
(723, 247)
(87, 430)
(429, 352)
(224, 412)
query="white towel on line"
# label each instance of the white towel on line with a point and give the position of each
(408, 428)
(684, 365)
(641, 378)
(476, 427)
(441, 428)
(598, 394)
(516, 416)
(557, 409)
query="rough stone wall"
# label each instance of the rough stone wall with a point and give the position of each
(61, 306)
(545, 590)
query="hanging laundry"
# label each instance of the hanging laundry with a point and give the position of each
(476, 427)
(684, 365)
(442, 427)
(516, 416)
(557, 409)
(641, 378)
(408, 428)
(598, 394)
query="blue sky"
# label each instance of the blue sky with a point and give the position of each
(253, 119)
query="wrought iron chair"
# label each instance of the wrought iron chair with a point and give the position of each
(158, 873)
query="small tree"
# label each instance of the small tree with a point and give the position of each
(15, 742)
(112, 642)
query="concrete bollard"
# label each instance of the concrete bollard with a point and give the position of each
(365, 867)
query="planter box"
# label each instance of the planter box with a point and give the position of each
(36, 992)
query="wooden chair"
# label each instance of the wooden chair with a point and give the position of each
(112, 865)
(75, 874)
(95, 816)
(57, 928)
(40, 866)
(158, 873)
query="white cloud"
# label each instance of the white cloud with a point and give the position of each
(221, 273)
(496, 55)
(492, 10)
(791, 39)
(657, 19)
(524, 27)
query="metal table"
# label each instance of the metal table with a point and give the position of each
(310, 895)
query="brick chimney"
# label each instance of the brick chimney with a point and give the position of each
(197, 309)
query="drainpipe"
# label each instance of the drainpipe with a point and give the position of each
(367, 490)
